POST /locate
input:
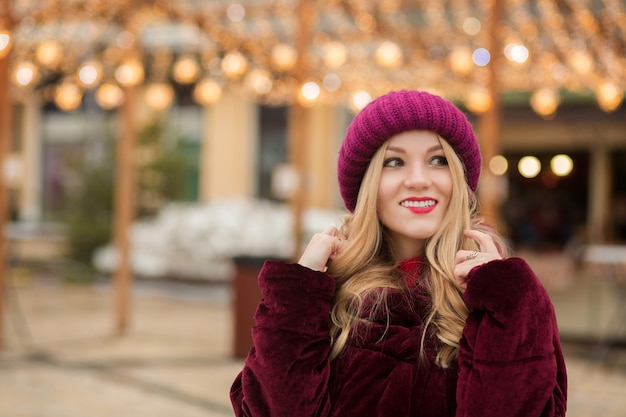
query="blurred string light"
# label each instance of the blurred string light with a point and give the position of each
(236, 12)
(472, 26)
(574, 50)
(309, 93)
(331, 82)
(529, 166)
(130, 73)
(109, 95)
(25, 73)
(159, 96)
(561, 165)
(284, 57)
(234, 65)
(481, 57)
(48, 53)
(498, 165)
(365, 21)
(545, 102)
(461, 60)
(186, 70)
(5, 43)
(388, 54)
(89, 74)
(581, 61)
(478, 100)
(207, 92)
(609, 97)
(360, 99)
(335, 54)
(68, 96)
(259, 81)
(516, 53)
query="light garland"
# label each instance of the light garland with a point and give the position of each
(358, 46)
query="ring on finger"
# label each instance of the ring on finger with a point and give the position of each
(472, 255)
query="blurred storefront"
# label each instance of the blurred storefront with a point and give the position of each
(573, 196)
(112, 109)
(239, 149)
(213, 87)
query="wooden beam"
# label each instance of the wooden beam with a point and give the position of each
(489, 125)
(124, 207)
(297, 122)
(125, 181)
(6, 139)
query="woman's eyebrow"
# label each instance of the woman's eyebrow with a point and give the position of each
(436, 147)
(396, 149)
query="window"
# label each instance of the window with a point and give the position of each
(547, 211)
(272, 147)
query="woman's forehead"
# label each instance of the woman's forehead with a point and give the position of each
(414, 139)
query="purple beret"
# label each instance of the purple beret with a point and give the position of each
(394, 113)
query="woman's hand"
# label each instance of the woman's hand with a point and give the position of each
(322, 248)
(466, 260)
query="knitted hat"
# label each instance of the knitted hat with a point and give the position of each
(394, 113)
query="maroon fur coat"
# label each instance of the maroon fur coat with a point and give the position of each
(510, 362)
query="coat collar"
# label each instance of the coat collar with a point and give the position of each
(412, 269)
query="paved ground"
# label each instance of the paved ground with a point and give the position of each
(61, 358)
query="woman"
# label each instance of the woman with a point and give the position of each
(411, 307)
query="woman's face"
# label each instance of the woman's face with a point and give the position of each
(415, 190)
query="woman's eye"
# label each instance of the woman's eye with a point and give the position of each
(393, 162)
(439, 161)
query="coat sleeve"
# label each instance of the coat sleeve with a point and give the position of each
(510, 357)
(286, 372)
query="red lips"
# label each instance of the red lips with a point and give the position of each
(421, 205)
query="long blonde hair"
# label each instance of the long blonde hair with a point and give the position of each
(366, 269)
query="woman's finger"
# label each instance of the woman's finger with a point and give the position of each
(466, 255)
(333, 231)
(466, 260)
(485, 242)
(322, 247)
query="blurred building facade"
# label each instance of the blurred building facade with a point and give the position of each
(238, 148)
(218, 82)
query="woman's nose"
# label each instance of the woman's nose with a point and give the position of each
(417, 177)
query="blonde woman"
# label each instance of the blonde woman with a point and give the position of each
(411, 307)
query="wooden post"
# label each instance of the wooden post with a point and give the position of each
(6, 137)
(124, 208)
(297, 123)
(295, 131)
(125, 182)
(490, 129)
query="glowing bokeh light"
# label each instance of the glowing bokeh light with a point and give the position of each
(529, 166)
(481, 57)
(498, 165)
(561, 165)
